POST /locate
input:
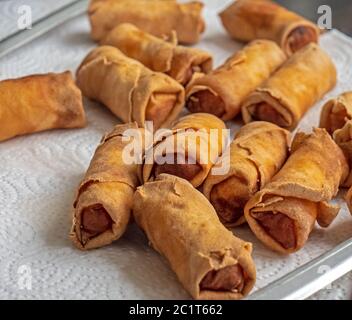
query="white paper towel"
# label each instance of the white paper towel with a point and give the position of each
(39, 174)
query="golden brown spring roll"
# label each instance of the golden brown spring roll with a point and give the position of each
(255, 155)
(204, 140)
(103, 204)
(336, 112)
(129, 89)
(286, 96)
(246, 20)
(222, 91)
(284, 212)
(209, 261)
(158, 17)
(336, 118)
(159, 55)
(39, 102)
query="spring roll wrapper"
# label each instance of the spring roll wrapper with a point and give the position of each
(39, 102)
(125, 86)
(336, 118)
(239, 75)
(300, 82)
(302, 189)
(203, 122)
(246, 20)
(336, 112)
(111, 183)
(160, 18)
(157, 54)
(183, 227)
(255, 155)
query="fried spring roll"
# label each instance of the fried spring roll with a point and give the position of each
(189, 151)
(39, 102)
(209, 261)
(255, 155)
(246, 20)
(103, 204)
(336, 118)
(300, 82)
(284, 212)
(158, 17)
(129, 89)
(159, 55)
(336, 112)
(222, 91)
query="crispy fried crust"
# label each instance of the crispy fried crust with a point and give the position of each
(159, 55)
(246, 20)
(158, 17)
(256, 154)
(39, 102)
(232, 82)
(300, 191)
(182, 226)
(129, 89)
(201, 145)
(300, 82)
(106, 191)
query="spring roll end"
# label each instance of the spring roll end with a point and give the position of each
(187, 171)
(230, 278)
(229, 198)
(95, 220)
(301, 36)
(207, 102)
(263, 111)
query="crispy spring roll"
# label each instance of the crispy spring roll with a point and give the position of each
(336, 112)
(246, 20)
(39, 102)
(222, 91)
(255, 155)
(300, 82)
(284, 212)
(129, 89)
(336, 118)
(159, 55)
(209, 261)
(103, 204)
(189, 150)
(158, 17)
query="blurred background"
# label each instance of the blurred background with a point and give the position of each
(341, 11)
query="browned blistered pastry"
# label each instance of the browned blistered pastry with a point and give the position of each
(197, 139)
(129, 89)
(284, 212)
(158, 17)
(209, 261)
(222, 91)
(159, 55)
(336, 118)
(255, 155)
(336, 112)
(103, 204)
(300, 82)
(39, 102)
(246, 20)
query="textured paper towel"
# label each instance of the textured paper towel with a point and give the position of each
(39, 174)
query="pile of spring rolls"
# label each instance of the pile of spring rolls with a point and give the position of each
(185, 180)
